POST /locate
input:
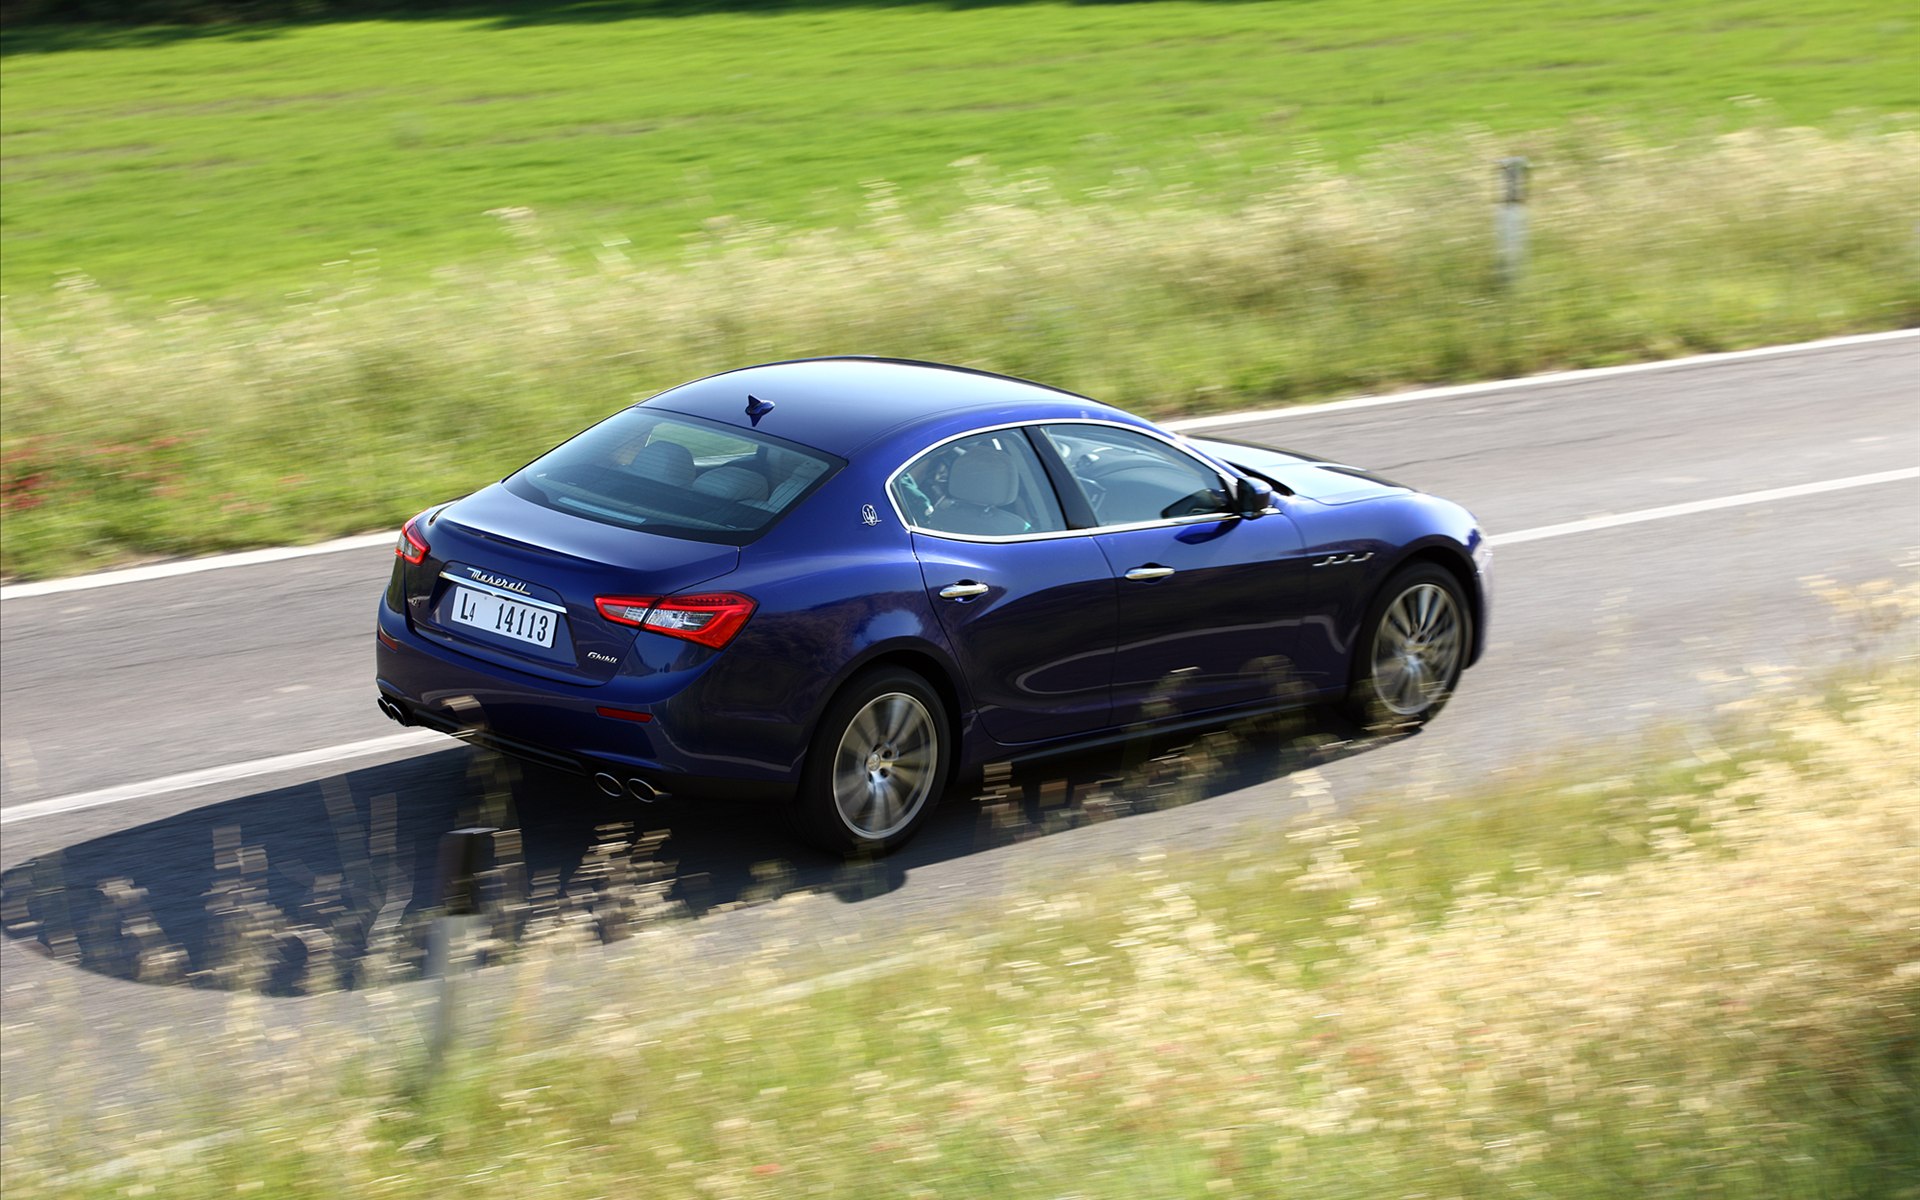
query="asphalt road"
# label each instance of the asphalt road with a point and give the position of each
(1596, 632)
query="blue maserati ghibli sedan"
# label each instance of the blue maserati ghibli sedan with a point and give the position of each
(845, 582)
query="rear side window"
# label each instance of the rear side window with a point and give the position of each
(676, 475)
(983, 485)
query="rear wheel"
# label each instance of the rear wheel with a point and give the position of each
(1413, 646)
(877, 766)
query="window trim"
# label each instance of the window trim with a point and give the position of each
(1051, 461)
(1039, 457)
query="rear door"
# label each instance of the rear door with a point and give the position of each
(1029, 607)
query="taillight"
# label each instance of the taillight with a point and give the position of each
(627, 610)
(711, 619)
(411, 545)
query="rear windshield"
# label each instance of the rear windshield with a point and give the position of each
(675, 475)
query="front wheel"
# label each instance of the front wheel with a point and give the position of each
(877, 766)
(1413, 646)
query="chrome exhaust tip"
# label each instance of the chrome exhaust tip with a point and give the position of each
(643, 791)
(394, 712)
(607, 783)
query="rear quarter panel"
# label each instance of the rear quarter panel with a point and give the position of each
(835, 594)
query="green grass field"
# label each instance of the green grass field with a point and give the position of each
(232, 163)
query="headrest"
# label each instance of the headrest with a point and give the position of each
(984, 477)
(733, 483)
(665, 462)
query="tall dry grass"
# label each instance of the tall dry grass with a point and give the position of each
(1696, 979)
(135, 433)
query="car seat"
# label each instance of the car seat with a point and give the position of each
(979, 486)
(664, 462)
(743, 485)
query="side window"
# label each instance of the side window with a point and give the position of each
(1129, 478)
(983, 485)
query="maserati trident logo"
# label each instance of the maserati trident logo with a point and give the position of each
(511, 585)
(868, 516)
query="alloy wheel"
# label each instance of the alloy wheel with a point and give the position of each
(1417, 650)
(885, 766)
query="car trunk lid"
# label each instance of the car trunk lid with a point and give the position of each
(514, 583)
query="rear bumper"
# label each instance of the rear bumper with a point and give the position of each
(659, 731)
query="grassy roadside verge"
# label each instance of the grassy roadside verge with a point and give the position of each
(206, 429)
(1696, 978)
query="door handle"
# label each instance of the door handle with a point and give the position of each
(965, 590)
(1149, 572)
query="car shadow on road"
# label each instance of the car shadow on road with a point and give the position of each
(332, 884)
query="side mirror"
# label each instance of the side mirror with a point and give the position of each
(1252, 497)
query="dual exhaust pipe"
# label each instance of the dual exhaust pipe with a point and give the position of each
(636, 787)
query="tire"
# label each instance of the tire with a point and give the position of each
(878, 764)
(1413, 645)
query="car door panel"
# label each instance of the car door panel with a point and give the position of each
(1208, 616)
(1032, 625)
(1209, 598)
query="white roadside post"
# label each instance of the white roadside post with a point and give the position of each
(465, 854)
(1510, 221)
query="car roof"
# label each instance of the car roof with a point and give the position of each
(842, 404)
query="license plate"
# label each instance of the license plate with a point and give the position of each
(496, 614)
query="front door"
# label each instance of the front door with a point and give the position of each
(1205, 615)
(1209, 601)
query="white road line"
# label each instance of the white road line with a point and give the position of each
(1700, 506)
(350, 750)
(193, 566)
(1531, 381)
(216, 775)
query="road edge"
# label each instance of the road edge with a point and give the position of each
(247, 558)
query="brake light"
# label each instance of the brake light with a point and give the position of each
(709, 619)
(627, 610)
(411, 546)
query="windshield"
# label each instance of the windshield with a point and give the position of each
(676, 475)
